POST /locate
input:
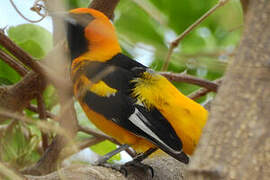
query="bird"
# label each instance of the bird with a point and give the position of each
(125, 99)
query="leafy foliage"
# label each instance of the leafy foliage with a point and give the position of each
(34, 39)
(104, 148)
(18, 145)
(203, 53)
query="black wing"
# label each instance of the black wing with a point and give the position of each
(123, 110)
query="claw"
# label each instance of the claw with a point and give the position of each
(136, 164)
(152, 171)
(128, 167)
(124, 171)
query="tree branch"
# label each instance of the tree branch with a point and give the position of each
(16, 97)
(104, 137)
(20, 54)
(42, 116)
(235, 142)
(212, 86)
(164, 167)
(105, 6)
(66, 152)
(202, 92)
(245, 4)
(13, 63)
(35, 109)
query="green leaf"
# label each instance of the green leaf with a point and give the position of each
(18, 146)
(33, 48)
(34, 39)
(4, 81)
(6, 72)
(72, 4)
(135, 24)
(104, 148)
(50, 97)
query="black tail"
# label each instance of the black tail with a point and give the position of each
(182, 157)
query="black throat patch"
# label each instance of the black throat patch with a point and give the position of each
(77, 42)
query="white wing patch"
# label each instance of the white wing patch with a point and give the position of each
(135, 118)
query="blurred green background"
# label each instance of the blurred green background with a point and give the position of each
(145, 29)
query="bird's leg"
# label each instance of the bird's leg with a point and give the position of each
(103, 159)
(137, 163)
(143, 156)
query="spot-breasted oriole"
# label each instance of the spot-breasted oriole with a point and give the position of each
(124, 98)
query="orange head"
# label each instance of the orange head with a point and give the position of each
(91, 35)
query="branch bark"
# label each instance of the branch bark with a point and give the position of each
(13, 63)
(20, 54)
(245, 5)
(164, 168)
(16, 97)
(105, 6)
(212, 86)
(235, 144)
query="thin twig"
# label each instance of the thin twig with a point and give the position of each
(35, 8)
(89, 142)
(35, 109)
(95, 79)
(97, 134)
(22, 56)
(202, 92)
(236, 28)
(212, 86)
(105, 137)
(80, 145)
(152, 11)
(245, 4)
(41, 106)
(175, 43)
(11, 125)
(42, 116)
(10, 173)
(13, 63)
